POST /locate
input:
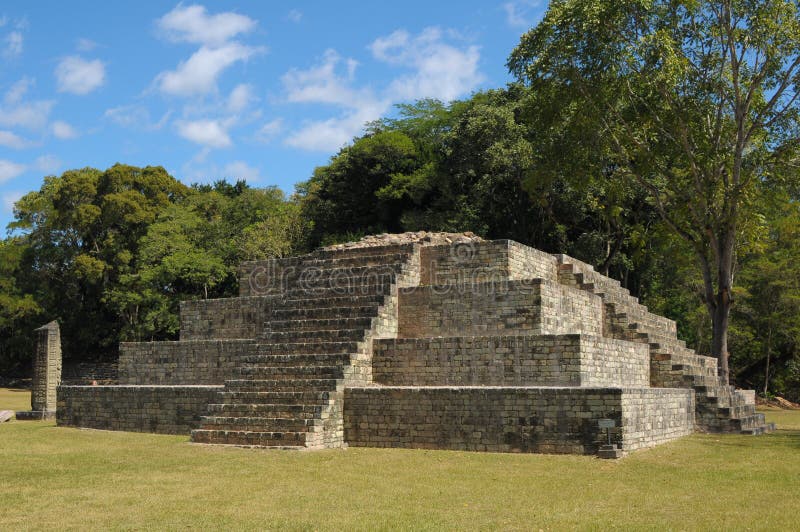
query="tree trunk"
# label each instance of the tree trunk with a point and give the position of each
(719, 342)
(723, 301)
(769, 352)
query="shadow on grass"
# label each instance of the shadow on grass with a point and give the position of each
(778, 439)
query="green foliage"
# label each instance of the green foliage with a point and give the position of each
(696, 102)
(766, 327)
(111, 254)
(18, 310)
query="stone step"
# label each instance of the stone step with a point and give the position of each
(360, 251)
(327, 260)
(766, 428)
(319, 324)
(289, 398)
(714, 390)
(304, 348)
(331, 335)
(282, 440)
(671, 347)
(260, 424)
(699, 379)
(719, 399)
(349, 289)
(736, 411)
(371, 259)
(690, 370)
(268, 410)
(753, 422)
(283, 385)
(297, 359)
(360, 311)
(308, 271)
(292, 372)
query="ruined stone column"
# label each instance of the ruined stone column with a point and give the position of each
(46, 373)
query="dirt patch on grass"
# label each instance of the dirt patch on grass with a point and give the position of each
(778, 402)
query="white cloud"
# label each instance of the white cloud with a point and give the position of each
(209, 133)
(135, 116)
(13, 141)
(330, 135)
(194, 25)
(321, 83)
(13, 44)
(441, 70)
(241, 96)
(16, 112)
(10, 170)
(47, 163)
(18, 90)
(270, 130)
(79, 76)
(128, 115)
(199, 73)
(437, 70)
(295, 15)
(63, 130)
(85, 45)
(520, 13)
(240, 170)
(9, 199)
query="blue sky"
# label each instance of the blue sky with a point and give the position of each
(263, 91)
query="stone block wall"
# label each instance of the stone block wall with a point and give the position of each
(609, 362)
(159, 409)
(274, 276)
(651, 416)
(552, 360)
(84, 373)
(464, 264)
(544, 420)
(526, 307)
(528, 263)
(185, 362)
(478, 262)
(210, 319)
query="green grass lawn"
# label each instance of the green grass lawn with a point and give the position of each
(62, 478)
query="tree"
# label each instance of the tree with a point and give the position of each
(17, 308)
(694, 101)
(766, 321)
(341, 197)
(82, 231)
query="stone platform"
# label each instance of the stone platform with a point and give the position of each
(474, 345)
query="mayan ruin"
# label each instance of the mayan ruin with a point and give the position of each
(430, 341)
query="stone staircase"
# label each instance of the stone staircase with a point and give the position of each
(719, 407)
(327, 309)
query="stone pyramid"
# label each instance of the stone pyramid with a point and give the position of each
(420, 340)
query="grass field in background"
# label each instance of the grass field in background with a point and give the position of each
(63, 478)
(15, 399)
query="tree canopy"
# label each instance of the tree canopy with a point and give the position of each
(696, 102)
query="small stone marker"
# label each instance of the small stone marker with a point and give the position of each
(6, 415)
(606, 424)
(609, 450)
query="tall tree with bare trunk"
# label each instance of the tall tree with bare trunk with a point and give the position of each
(695, 101)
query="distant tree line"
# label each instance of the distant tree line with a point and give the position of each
(658, 141)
